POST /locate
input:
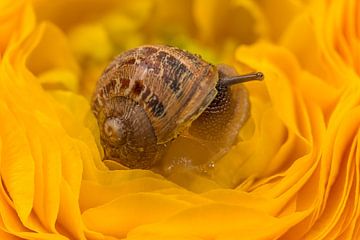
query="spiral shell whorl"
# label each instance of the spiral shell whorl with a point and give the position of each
(154, 92)
(139, 149)
(164, 81)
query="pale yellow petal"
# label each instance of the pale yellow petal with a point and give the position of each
(129, 211)
(218, 221)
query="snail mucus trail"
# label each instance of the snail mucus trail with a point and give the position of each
(149, 95)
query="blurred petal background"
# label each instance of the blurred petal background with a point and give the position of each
(294, 175)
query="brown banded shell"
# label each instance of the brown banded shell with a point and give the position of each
(146, 97)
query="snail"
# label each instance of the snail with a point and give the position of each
(149, 95)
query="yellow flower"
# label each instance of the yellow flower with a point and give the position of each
(293, 175)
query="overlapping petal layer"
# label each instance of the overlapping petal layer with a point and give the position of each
(293, 175)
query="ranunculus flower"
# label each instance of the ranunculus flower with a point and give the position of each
(293, 174)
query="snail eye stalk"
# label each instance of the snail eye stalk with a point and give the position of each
(227, 81)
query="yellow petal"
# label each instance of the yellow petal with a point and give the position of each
(218, 221)
(17, 20)
(90, 42)
(94, 194)
(213, 18)
(122, 215)
(17, 163)
(75, 12)
(43, 62)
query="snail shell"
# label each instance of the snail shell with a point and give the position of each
(146, 97)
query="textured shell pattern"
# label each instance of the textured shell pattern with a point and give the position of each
(171, 85)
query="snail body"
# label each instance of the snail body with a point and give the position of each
(147, 96)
